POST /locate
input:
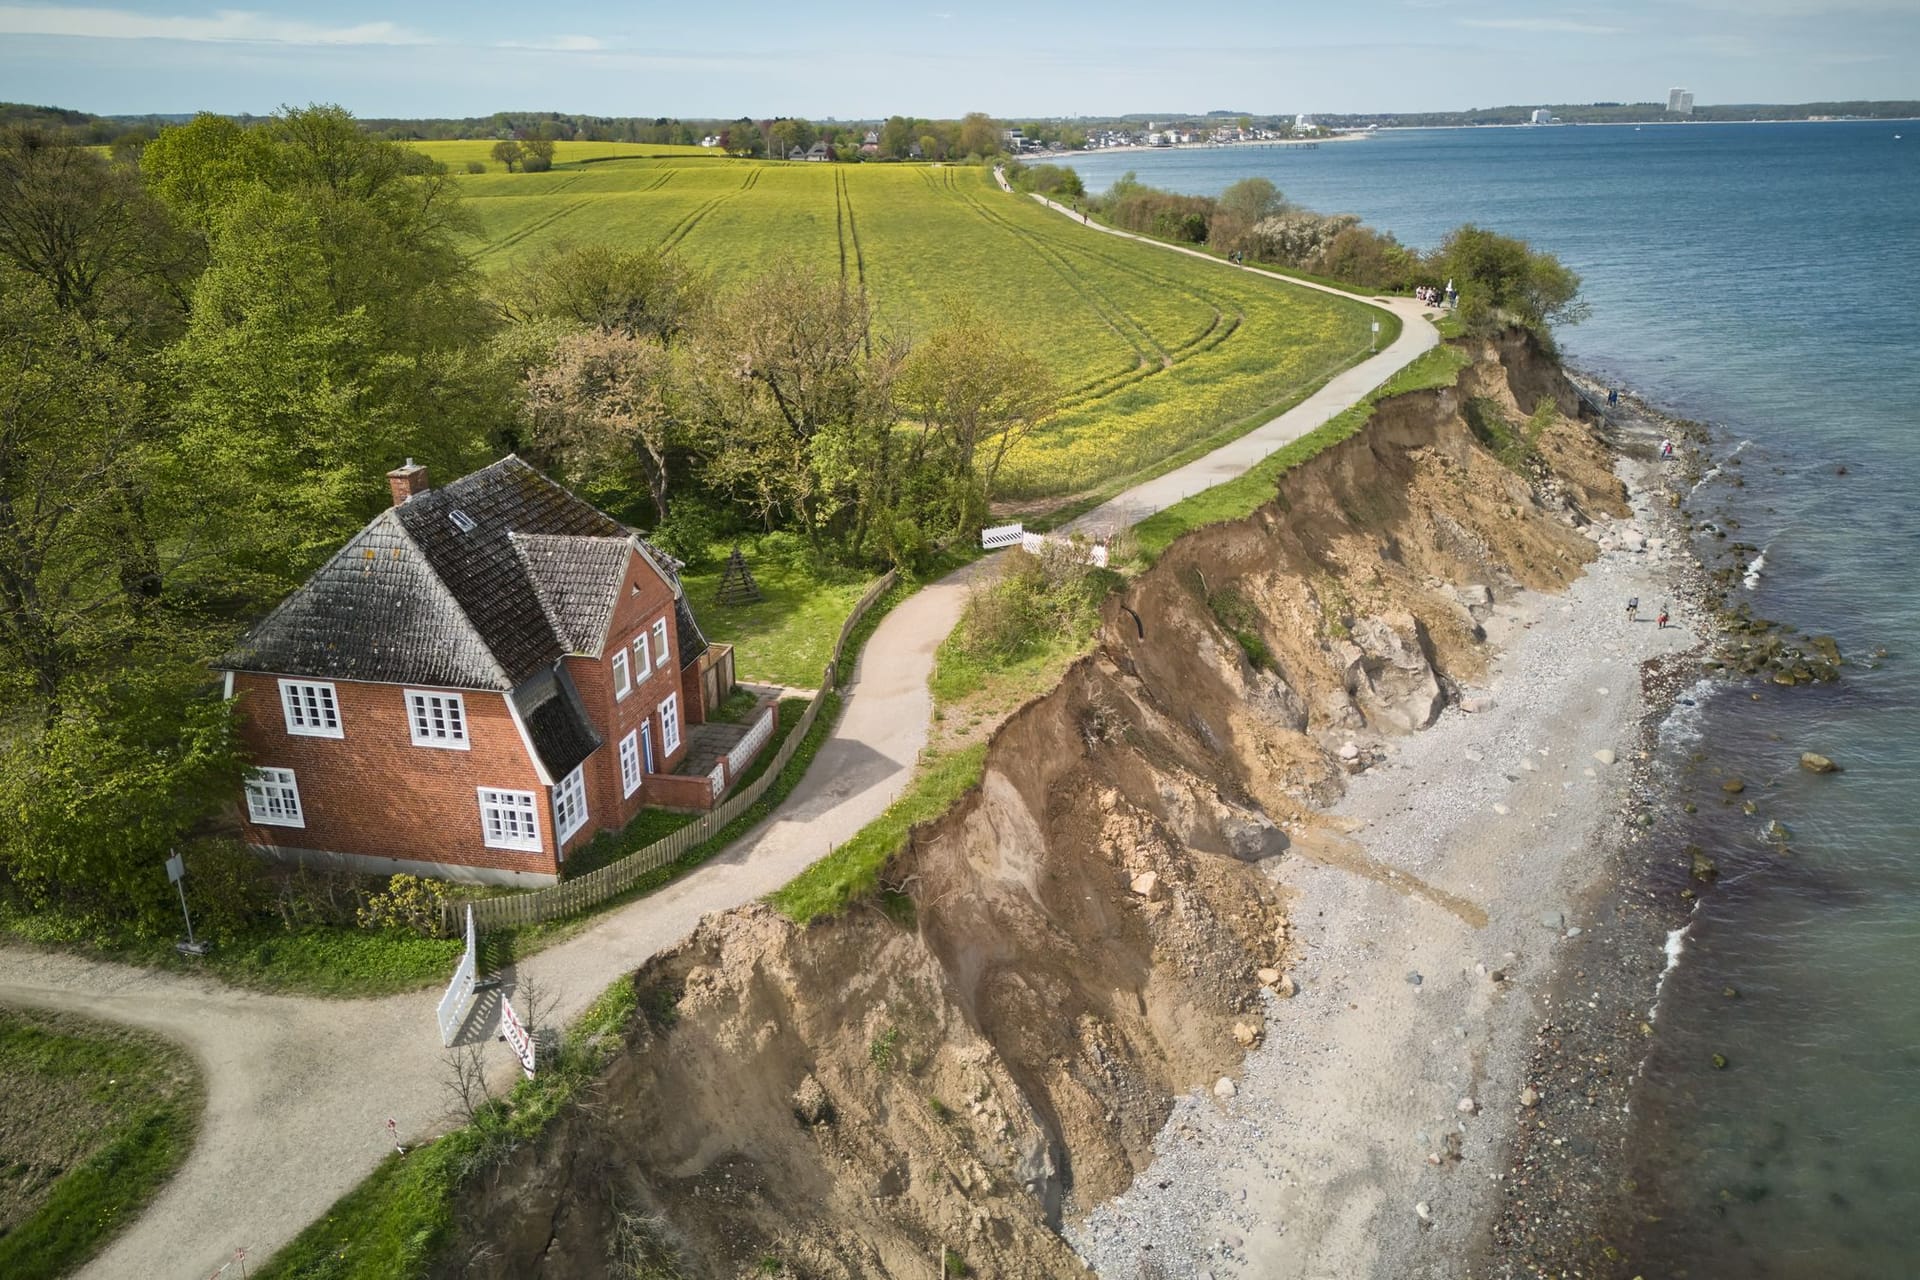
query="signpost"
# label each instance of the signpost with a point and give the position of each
(176, 875)
(1374, 341)
(515, 1034)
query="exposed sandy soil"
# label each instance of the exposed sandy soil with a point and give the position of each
(1041, 1026)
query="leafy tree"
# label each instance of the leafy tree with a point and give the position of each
(69, 445)
(92, 803)
(1500, 279)
(975, 393)
(334, 331)
(604, 399)
(1252, 199)
(979, 135)
(789, 134)
(789, 405)
(639, 292)
(536, 155)
(108, 252)
(199, 169)
(508, 153)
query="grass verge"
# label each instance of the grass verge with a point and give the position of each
(853, 870)
(392, 1223)
(99, 1118)
(1245, 494)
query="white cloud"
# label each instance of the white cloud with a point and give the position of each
(1542, 24)
(222, 26)
(557, 44)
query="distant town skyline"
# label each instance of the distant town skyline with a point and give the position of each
(858, 59)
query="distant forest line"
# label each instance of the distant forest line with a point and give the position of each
(570, 126)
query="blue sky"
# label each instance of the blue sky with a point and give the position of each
(854, 58)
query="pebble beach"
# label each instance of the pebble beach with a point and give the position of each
(1461, 919)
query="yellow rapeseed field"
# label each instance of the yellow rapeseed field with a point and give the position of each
(1160, 352)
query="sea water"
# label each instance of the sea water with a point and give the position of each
(1764, 278)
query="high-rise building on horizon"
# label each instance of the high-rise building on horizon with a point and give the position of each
(1680, 102)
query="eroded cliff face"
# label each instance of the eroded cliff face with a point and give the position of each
(994, 1044)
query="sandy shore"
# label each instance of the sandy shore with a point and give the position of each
(1372, 1130)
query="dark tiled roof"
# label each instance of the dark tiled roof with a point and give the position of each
(560, 730)
(376, 611)
(440, 590)
(577, 581)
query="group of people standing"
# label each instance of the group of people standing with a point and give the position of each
(1434, 296)
(1633, 611)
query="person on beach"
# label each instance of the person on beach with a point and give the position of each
(1613, 396)
(1633, 608)
(1663, 615)
(1666, 449)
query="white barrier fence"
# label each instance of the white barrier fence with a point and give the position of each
(458, 1000)
(1008, 534)
(1004, 536)
(717, 778)
(516, 1036)
(748, 747)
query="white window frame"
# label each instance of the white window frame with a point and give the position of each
(630, 764)
(622, 681)
(306, 706)
(646, 747)
(270, 789)
(643, 654)
(660, 655)
(570, 804)
(454, 737)
(519, 823)
(670, 724)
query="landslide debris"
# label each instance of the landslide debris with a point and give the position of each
(932, 1081)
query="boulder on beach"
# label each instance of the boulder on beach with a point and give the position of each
(1814, 762)
(1147, 885)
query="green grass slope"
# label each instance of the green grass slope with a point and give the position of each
(1159, 352)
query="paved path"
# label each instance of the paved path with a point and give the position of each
(300, 1089)
(1417, 335)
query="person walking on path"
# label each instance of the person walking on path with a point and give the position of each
(1663, 615)
(1633, 608)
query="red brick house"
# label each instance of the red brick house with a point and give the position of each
(482, 678)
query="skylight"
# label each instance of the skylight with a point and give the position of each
(461, 520)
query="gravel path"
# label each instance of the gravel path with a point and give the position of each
(300, 1089)
(1368, 1129)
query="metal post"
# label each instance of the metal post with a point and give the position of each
(182, 887)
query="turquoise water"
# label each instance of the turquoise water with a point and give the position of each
(1764, 278)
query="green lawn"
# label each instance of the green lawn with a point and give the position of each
(1159, 352)
(95, 1119)
(787, 637)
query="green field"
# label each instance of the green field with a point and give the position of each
(457, 153)
(1160, 352)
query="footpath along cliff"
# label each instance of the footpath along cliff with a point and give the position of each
(940, 1079)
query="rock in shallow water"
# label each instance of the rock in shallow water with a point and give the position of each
(1814, 762)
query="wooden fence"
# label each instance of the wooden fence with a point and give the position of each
(595, 887)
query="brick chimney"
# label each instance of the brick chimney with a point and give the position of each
(407, 481)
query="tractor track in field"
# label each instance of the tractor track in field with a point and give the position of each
(843, 208)
(541, 223)
(679, 231)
